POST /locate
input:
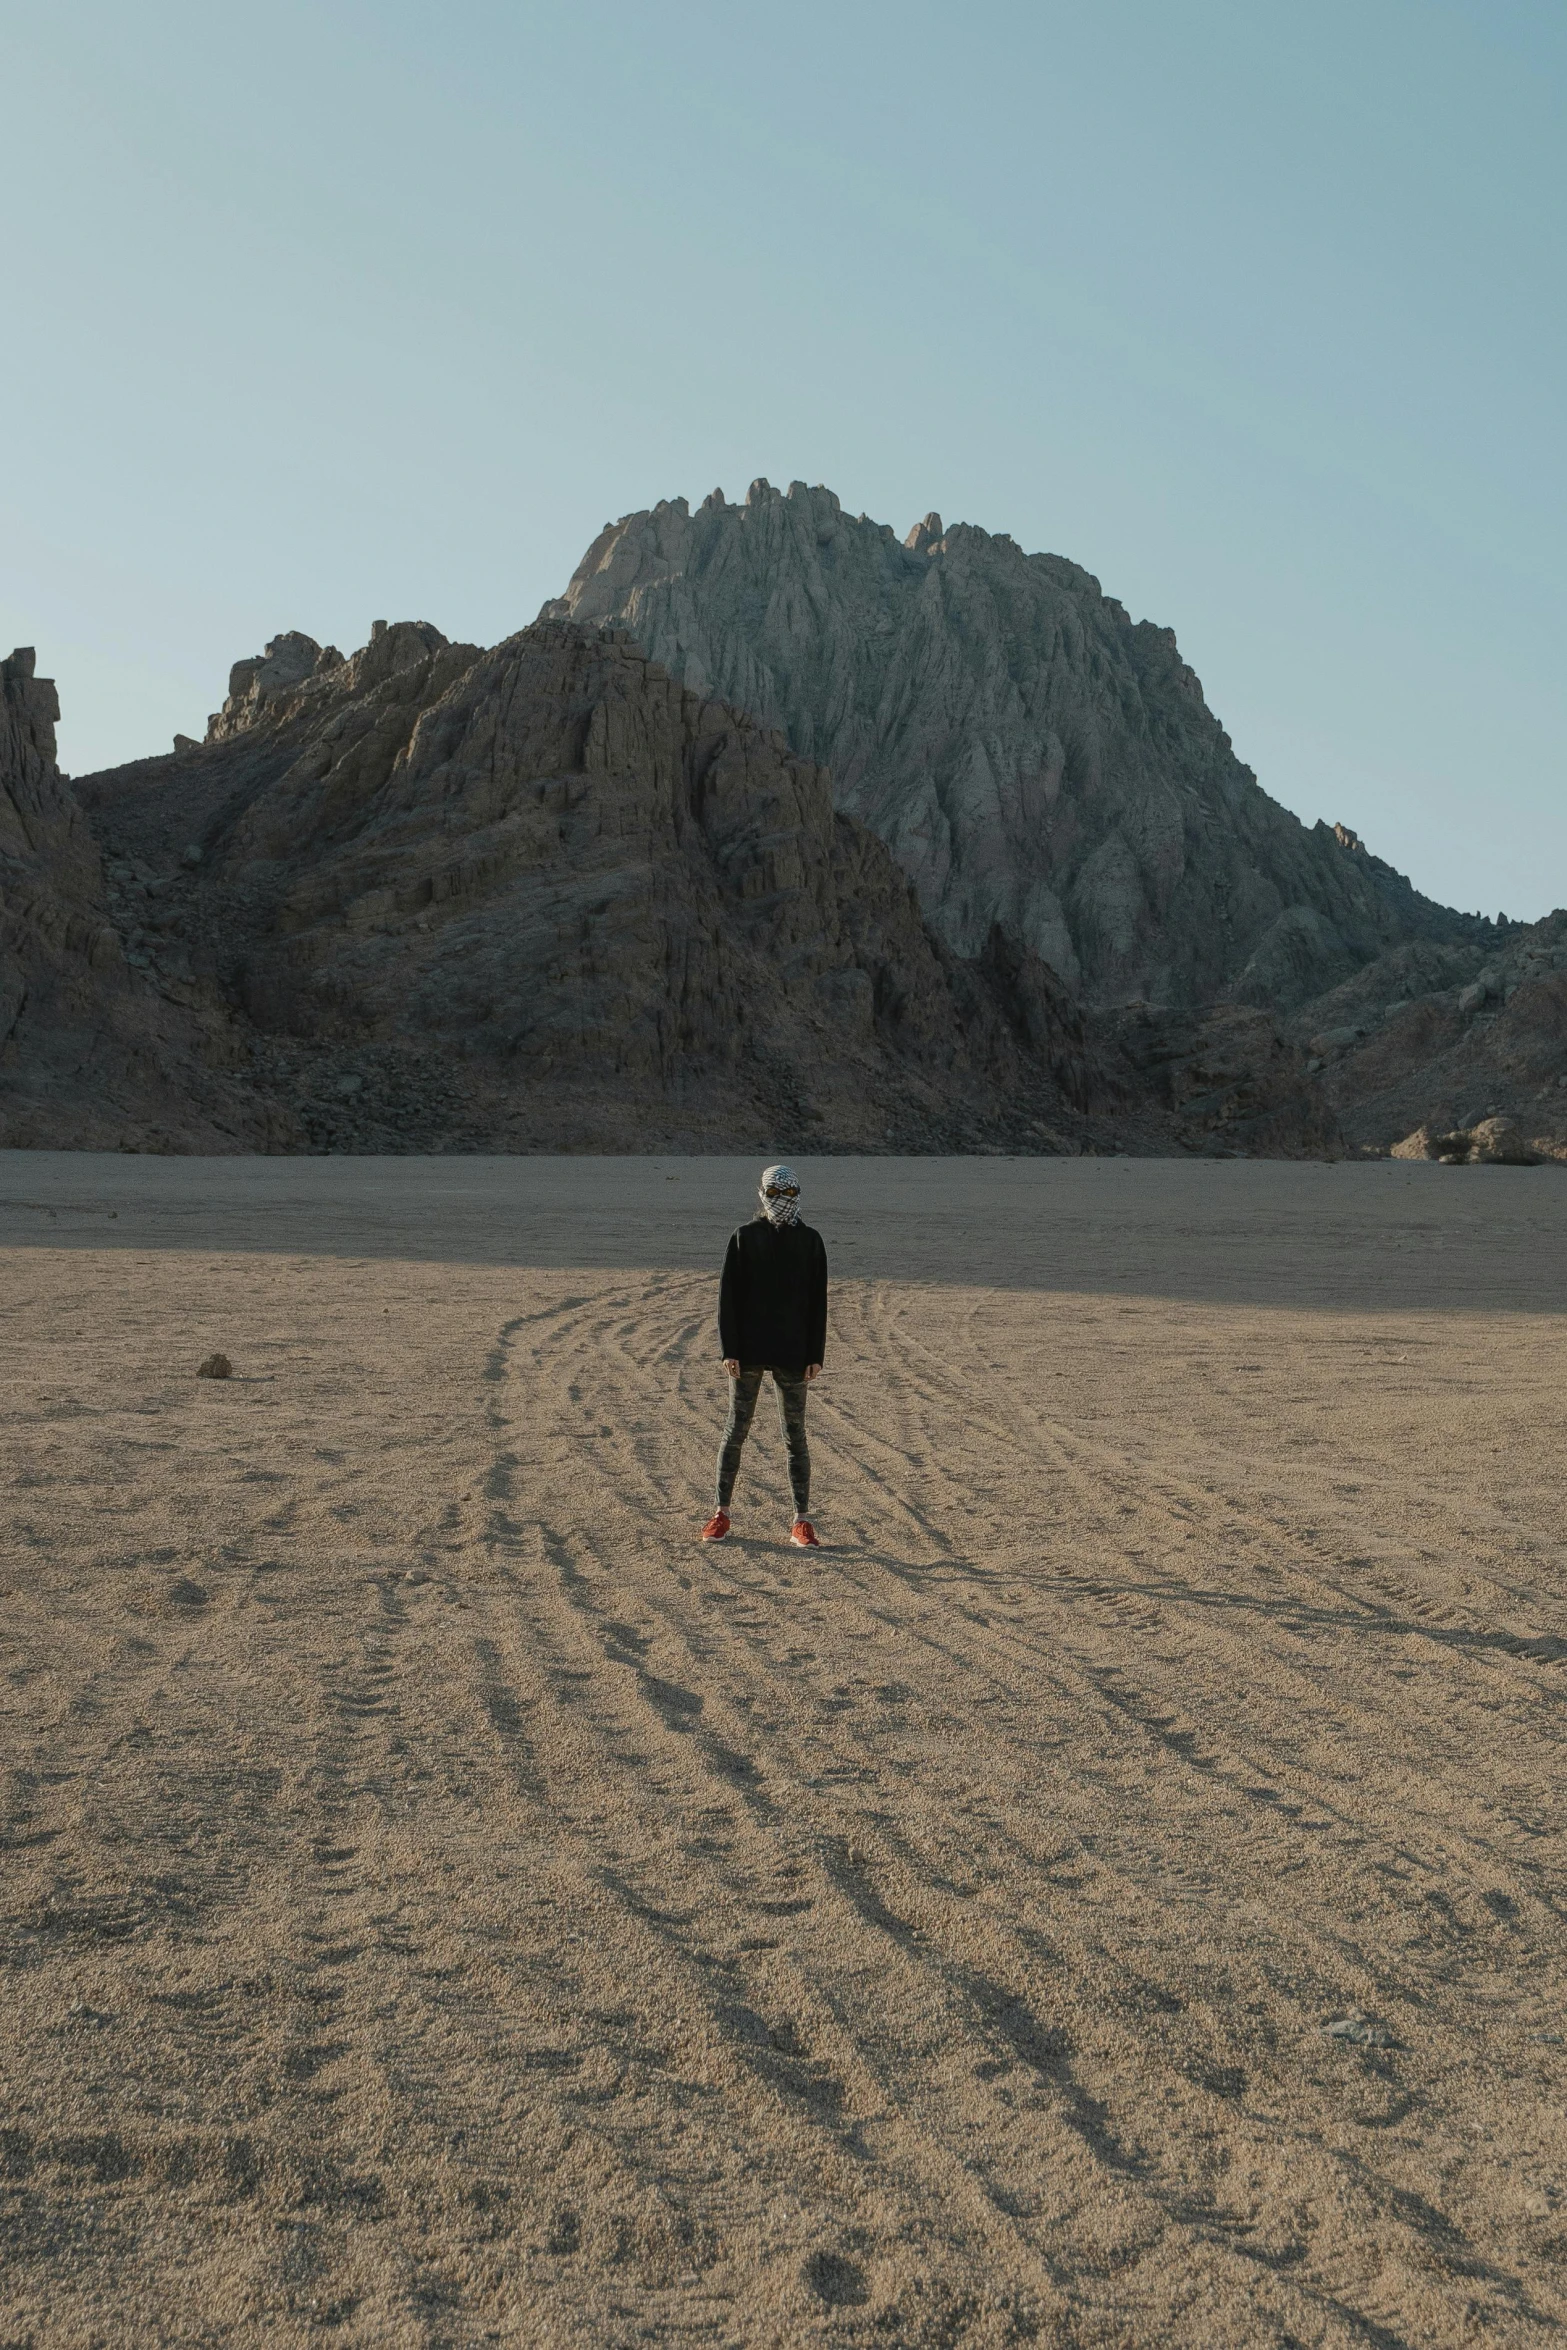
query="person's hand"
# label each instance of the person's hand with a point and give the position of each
(731, 1366)
(812, 1371)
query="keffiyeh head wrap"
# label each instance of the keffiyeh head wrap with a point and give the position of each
(780, 1210)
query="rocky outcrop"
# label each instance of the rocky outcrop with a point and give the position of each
(545, 896)
(1495, 1142)
(91, 1053)
(268, 684)
(1231, 1081)
(41, 828)
(1039, 762)
(55, 939)
(1443, 1038)
(296, 675)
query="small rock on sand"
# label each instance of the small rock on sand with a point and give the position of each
(215, 1367)
(1363, 2030)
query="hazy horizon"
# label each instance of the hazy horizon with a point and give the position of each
(1256, 319)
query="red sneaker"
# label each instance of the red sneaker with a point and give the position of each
(717, 1526)
(803, 1535)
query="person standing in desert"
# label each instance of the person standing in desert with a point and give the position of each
(772, 1316)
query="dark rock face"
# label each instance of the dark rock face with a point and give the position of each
(91, 1054)
(1038, 762)
(545, 896)
(54, 932)
(1444, 1038)
(39, 823)
(1231, 1081)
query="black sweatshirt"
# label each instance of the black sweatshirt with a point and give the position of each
(772, 1300)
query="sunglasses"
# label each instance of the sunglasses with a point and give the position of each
(781, 1191)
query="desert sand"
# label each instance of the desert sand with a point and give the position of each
(443, 1903)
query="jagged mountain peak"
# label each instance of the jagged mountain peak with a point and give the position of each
(1036, 759)
(273, 686)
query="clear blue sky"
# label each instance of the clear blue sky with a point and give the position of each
(316, 314)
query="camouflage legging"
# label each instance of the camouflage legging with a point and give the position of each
(744, 1390)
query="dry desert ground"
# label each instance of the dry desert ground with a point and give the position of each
(443, 1903)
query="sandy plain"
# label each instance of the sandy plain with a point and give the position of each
(445, 1904)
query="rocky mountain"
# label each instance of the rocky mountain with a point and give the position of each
(545, 896)
(91, 1053)
(554, 895)
(1036, 760)
(1448, 1037)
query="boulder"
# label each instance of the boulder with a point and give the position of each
(1494, 1142)
(1499, 1142)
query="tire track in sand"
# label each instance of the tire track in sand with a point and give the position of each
(649, 1593)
